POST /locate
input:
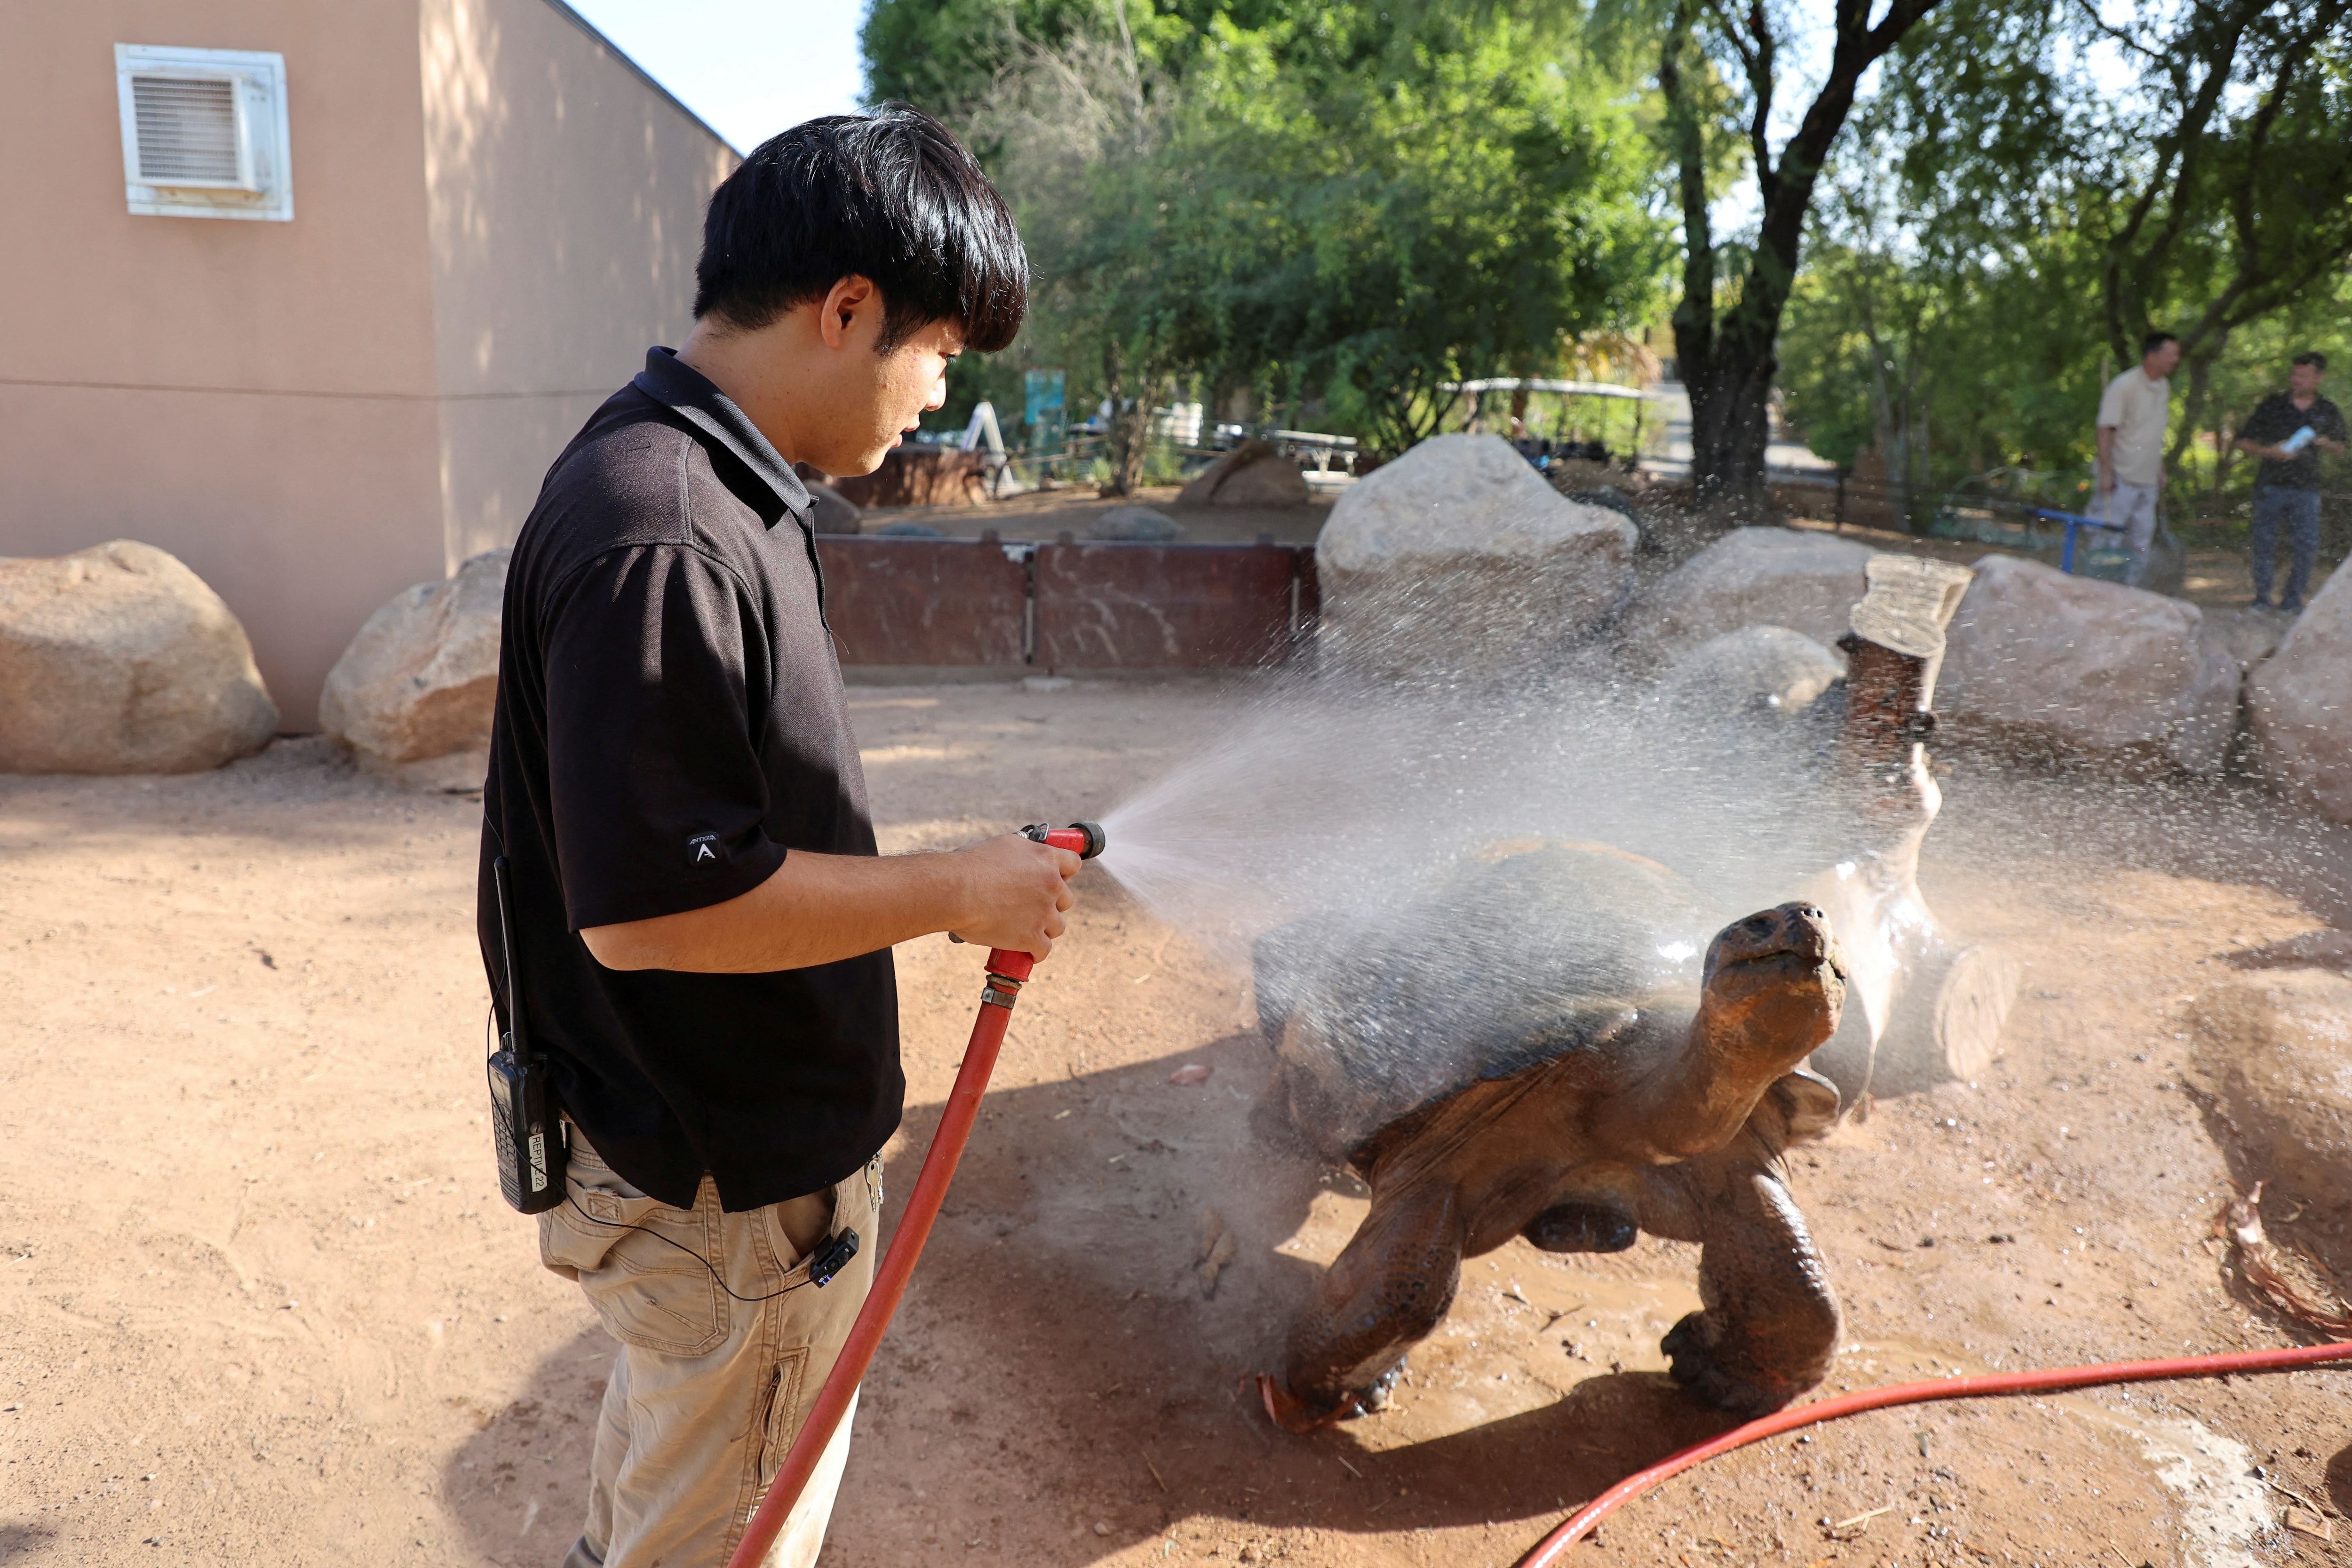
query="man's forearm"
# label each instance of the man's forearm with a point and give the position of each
(815, 908)
(2107, 468)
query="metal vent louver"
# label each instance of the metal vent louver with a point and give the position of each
(205, 133)
(186, 130)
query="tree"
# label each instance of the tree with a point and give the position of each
(949, 56)
(1348, 206)
(1725, 343)
(1079, 134)
(1453, 194)
(2049, 218)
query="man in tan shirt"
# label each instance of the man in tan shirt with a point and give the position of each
(2132, 415)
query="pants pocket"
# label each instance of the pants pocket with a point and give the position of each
(642, 1266)
(779, 1416)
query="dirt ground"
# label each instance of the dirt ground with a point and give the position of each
(260, 1303)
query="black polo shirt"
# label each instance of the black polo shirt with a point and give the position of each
(2273, 421)
(670, 725)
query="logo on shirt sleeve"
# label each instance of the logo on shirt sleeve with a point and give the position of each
(704, 850)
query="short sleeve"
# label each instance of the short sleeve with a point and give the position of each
(2258, 425)
(655, 669)
(2111, 404)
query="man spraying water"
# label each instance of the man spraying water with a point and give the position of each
(695, 919)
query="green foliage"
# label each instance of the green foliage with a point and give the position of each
(1339, 208)
(948, 56)
(2006, 226)
(1413, 205)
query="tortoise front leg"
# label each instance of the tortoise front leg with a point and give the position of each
(1384, 1293)
(1770, 1322)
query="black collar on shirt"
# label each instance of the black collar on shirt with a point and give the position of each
(674, 383)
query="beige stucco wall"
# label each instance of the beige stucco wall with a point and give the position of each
(493, 215)
(257, 398)
(565, 199)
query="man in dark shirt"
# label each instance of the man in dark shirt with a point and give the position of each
(701, 923)
(2287, 485)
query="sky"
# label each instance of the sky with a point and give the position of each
(750, 68)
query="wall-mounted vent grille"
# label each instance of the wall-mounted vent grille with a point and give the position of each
(186, 130)
(204, 132)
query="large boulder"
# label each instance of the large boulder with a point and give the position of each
(1756, 671)
(2249, 636)
(2299, 701)
(118, 659)
(1457, 560)
(2274, 1051)
(1789, 577)
(2089, 667)
(1252, 474)
(419, 680)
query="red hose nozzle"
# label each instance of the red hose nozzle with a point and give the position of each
(1084, 840)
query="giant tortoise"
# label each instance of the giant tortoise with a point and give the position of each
(1534, 1045)
(1556, 1041)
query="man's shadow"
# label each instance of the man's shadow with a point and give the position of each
(20, 1542)
(1066, 1356)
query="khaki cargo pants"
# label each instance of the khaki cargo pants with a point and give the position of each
(708, 1391)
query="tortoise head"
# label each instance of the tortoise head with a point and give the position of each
(1774, 986)
(1773, 989)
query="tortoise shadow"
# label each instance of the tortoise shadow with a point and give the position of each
(21, 1541)
(1528, 1466)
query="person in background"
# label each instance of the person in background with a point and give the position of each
(2288, 430)
(2132, 415)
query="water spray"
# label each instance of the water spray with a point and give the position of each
(1006, 972)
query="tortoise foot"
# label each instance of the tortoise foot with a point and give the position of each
(1292, 1414)
(1710, 1378)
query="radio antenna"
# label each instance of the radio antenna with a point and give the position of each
(518, 1041)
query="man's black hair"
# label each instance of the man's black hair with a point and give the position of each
(2147, 345)
(2312, 358)
(892, 196)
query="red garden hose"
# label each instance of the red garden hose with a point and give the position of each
(1007, 970)
(1553, 1547)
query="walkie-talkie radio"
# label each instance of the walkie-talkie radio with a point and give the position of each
(522, 1104)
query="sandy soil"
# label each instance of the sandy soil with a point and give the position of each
(260, 1304)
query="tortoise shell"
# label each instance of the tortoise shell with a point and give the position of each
(1517, 956)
